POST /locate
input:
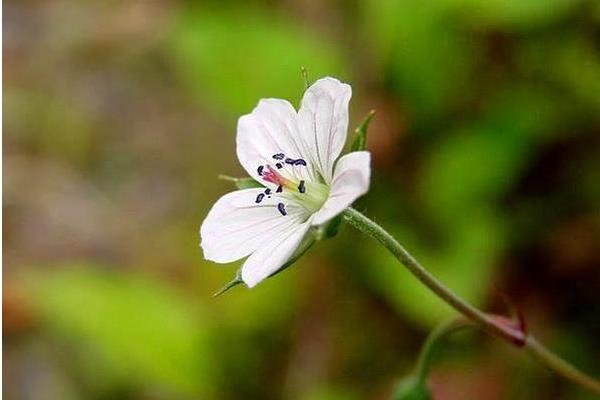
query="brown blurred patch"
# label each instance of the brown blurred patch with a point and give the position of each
(387, 130)
(17, 315)
(454, 382)
(573, 245)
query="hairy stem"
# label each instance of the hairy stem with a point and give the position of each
(365, 225)
(499, 327)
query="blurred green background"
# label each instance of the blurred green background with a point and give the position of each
(118, 117)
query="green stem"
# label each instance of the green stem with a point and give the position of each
(493, 325)
(560, 366)
(432, 344)
(365, 225)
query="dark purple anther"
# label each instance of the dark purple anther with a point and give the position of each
(290, 161)
(279, 156)
(301, 187)
(260, 169)
(300, 162)
(279, 165)
(279, 189)
(281, 208)
(259, 198)
(267, 191)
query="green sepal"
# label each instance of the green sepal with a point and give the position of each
(236, 281)
(306, 244)
(332, 228)
(411, 389)
(242, 183)
(304, 73)
(360, 141)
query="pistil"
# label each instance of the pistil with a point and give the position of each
(272, 176)
(310, 195)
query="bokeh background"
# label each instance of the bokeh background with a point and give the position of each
(119, 115)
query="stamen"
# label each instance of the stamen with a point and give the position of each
(260, 169)
(292, 161)
(278, 156)
(279, 189)
(259, 198)
(301, 187)
(281, 208)
(279, 165)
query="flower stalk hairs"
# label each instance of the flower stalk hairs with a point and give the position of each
(301, 189)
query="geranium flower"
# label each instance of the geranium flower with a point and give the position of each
(293, 155)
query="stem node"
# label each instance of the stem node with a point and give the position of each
(502, 327)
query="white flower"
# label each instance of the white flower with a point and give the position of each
(293, 155)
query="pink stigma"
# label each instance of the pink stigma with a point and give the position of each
(271, 175)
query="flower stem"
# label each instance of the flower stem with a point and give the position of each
(493, 325)
(365, 225)
(560, 366)
(432, 344)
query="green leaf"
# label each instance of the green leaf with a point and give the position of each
(131, 329)
(427, 62)
(360, 141)
(241, 183)
(229, 57)
(516, 15)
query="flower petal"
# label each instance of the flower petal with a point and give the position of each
(323, 119)
(236, 225)
(350, 181)
(269, 258)
(272, 128)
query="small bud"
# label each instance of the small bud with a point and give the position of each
(411, 389)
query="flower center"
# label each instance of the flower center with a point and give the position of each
(308, 194)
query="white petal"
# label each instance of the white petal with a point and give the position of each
(236, 225)
(273, 255)
(323, 119)
(272, 128)
(350, 181)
